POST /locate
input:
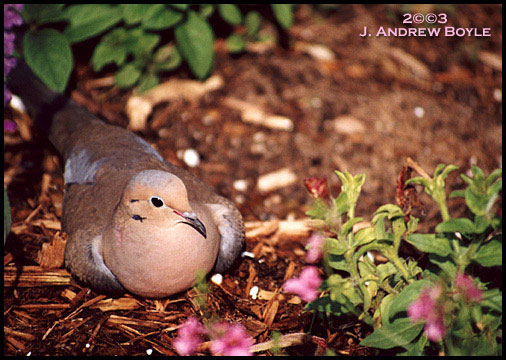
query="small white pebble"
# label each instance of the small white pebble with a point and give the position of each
(497, 95)
(29, 353)
(191, 157)
(87, 346)
(241, 185)
(261, 261)
(247, 254)
(217, 279)
(254, 292)
(149, 351)
(17, 103)
(419, 112)
(457, 234)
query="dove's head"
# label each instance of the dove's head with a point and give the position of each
(158, 242)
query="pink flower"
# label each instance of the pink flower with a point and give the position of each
(306, 285)
(466, 287)
(429, 308)
(230, 340)
(188, 337)
(314, 247)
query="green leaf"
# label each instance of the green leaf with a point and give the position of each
(195, 41)
(399, 333)
(446, 264)
(48, 54)
(167, 58)
(112, 48)
(7, 216)
(148, 81)
(133, 13)
(43, 13)
(338, 262)
(457, 193)
(335, 247)
(127, 76)
(364, 236)
(384, 308)
(206, 10)
(429, 243)
(409, 294)
(252, 21)
(325, 305)
(180, 7)
(235, 43)
(386, 270)
(283, 14)
(348, 226)
(493, 176)
(230, 13)
(159, 17)
(476, 202)
(489, 254)
(318, 210)
(461, 225)
(88, 20)
(341, 203)
(492, 299)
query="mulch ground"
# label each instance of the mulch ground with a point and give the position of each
(375, 102)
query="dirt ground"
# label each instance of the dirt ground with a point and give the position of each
(357, 104)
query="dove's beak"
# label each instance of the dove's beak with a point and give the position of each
(192, 220)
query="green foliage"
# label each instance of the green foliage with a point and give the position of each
(380, 294)
(130, 38)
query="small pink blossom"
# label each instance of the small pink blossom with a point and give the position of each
(188, 337)
(467, 288)
(314, 247)
(306, 285)
(429, 308)
(230, 340)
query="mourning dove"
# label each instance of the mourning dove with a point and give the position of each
(134, 221)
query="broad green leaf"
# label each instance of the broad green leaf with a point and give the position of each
(364, 236)
(283, 14)
(446, 264)
(348, 226)
(127, 76)
(398, 333)
(235, 43)
(489, 254)
(409, 294)
(325, 305)
(206, 10)
(112, 48)
(461, 225)
(429, 243)
(386, 270)
(493, 176)
(88, 20)
(492, 299)
(133, 13)
(141, 43)
(481, 223)
(148, 81)
(42, 13)
(318, 210)
(341, 203)
(159, 17)
(167, 58)
(195, 41)
(338, 262)
(457, 193)
(252, 21)
(335, 247)
(230, 13)
(48, 53)
(7, 216)
(384, 308)
(476, 202)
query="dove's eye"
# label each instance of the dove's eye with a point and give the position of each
(156, 201)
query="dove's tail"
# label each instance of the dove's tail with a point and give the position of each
(56, 115)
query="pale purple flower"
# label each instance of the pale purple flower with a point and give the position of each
(306, 285)
(12, 16)
(429, 308)
(9, 63)
(230, 340)
(467, 288)
(188, 337)
(8, 43)
(7, 97)
(314, 247)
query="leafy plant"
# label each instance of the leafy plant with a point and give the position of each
(130, 38)
(440, 307)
